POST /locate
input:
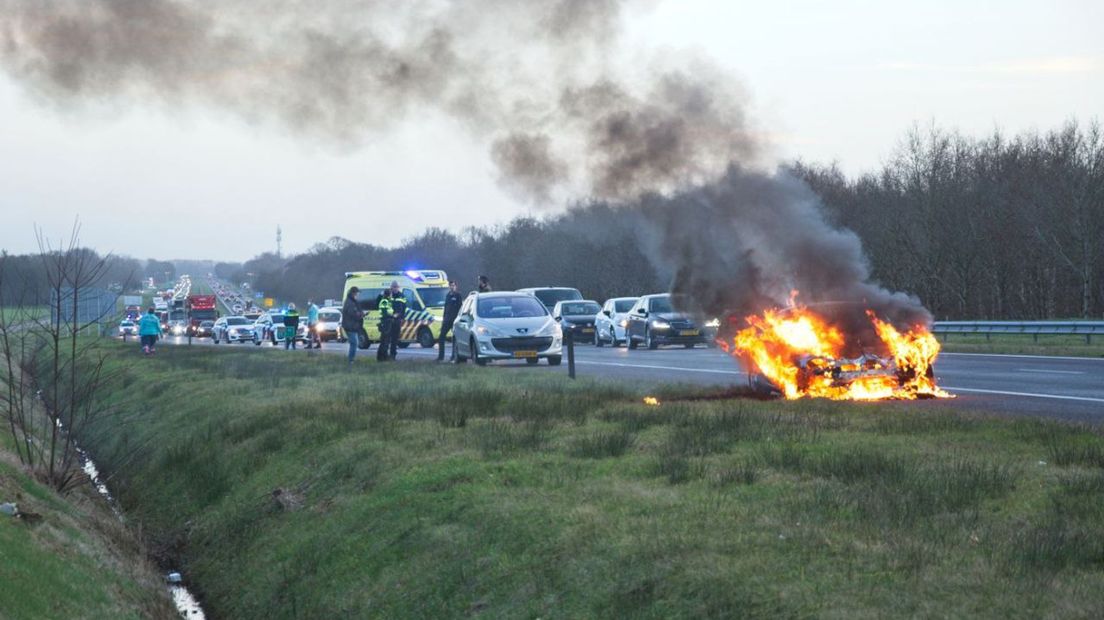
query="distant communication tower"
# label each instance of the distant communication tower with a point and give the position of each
(279, 242)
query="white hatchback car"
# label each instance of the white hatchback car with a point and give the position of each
(610, 324)
(506, 325)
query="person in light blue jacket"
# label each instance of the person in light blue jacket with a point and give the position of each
(149, 330)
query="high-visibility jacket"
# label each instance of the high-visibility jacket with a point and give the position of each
(385, 308)
(398, 306)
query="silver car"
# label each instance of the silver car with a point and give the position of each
(610, 324)
(506, 325)
(232, 329)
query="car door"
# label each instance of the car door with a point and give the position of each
(461, 330)
(604, 320)
(638, 319)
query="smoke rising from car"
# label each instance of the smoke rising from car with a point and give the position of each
(532, 79)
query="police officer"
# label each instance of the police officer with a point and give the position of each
(386, 313)
(398, 317)
(452, 310)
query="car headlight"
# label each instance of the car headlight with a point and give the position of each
(660, 325)
(234, 332)
(623, 322)
(550, 328)
(713, 323)
(487, 330)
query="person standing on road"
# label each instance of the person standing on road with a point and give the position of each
(452, 310)
(352, 321)
(484, 284)
(149, 330)
(384, 304)
(314, 341)
(291, 326)
(398, 317)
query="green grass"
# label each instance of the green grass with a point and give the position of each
(290, 486)
(1017, 344)
(77, 562)
(21, 314)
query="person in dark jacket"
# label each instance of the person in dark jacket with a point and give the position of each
(452, 310)
(485, 284)
(387, 315)
(398, 317)
(291, 326)
(352, 321)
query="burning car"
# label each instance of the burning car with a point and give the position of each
(798, 352)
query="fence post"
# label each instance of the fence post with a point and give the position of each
(570, 338)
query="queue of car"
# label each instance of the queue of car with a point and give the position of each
(529, 324)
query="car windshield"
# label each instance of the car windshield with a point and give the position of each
(660, 304)
(577, 309)
(127, 324)
(433, 296)
(623, 305)
(550, 296)
(277, 319)
(329, 317)
(510, 307)
(236, 321)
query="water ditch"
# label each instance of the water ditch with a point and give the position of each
(186, 603)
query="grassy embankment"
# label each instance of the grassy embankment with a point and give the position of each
(294, 487)
(1017, 344)
(77, 561)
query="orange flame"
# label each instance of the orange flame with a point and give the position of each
(799, 352)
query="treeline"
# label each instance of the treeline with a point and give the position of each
(23, 280)
(997, 227)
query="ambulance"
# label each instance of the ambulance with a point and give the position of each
(425, 303)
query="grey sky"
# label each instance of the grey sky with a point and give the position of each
(827, 81)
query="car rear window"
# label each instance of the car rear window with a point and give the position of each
(549, 296)
(510, 308)
(329, 317)
(624, 305)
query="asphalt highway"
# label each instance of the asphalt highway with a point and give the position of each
(1068, 388)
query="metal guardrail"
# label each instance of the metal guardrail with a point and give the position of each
(1088, 329)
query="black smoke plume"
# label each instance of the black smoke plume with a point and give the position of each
(535, 80)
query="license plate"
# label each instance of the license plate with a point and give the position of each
(688, 332)
(588, 330)
(525, 353)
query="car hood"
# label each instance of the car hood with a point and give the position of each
(579, 318)
(513, 327)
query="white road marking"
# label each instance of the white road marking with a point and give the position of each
(1055, 372)
(654, 367)
(1030, 357)
(1028, 394)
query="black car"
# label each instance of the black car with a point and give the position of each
(653, 321)
(577, 318)
(203, 330)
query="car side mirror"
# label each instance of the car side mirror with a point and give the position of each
(607, 313)
(559, 318)
(644, 313)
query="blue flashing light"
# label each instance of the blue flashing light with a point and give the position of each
(414, 275)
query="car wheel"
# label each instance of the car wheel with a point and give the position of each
(689, 345)
(630, 341)
(598, 342)
(648, 341)
(460, 359)
(475, 355)
(425, 338)
(403, 345)
(362, 342)
(532, 361)
(554, 360)
(256, 341)
(215, 339)
(272, 339)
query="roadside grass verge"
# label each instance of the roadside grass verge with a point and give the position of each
(1021, 344)
(292, 486)
(73, 560)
